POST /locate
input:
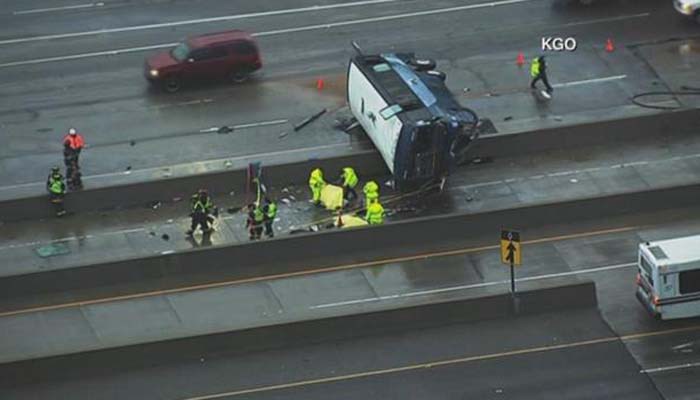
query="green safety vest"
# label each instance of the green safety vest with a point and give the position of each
(258, 215)
(375, 214)
(56, 185)
(271, 210)
(371, 187)
(350, 178)
(199, 205)
(535, 67)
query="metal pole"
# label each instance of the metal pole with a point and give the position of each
(512, 278)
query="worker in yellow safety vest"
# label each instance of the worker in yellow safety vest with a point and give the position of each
(375, 214)
(371, 190)
(316, 184)
(348, 180)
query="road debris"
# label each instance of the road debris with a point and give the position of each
(309, 120)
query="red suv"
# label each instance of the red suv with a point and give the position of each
(233, 55)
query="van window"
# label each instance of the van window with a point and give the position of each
(242, 48)
(646, 269)
(689, 281)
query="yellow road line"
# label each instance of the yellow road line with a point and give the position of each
(441, 363)
(335, 268)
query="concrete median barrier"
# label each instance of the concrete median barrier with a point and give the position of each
(367, 163)
(547, 298)
(321, 251)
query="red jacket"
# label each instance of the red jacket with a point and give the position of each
(75, 142)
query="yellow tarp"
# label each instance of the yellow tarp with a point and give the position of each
(350, 221)
(332, 197)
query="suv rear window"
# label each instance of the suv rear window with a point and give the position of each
(208, 53)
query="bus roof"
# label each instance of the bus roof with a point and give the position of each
(675, 251)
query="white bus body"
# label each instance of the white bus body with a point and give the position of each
(668, 280)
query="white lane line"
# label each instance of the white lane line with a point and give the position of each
(610, 19)
(473, 286)
(260, 34)
(88, 55)
(589, 81)
(393, 17)
(52, 9)
(669, 368)
(195, 21)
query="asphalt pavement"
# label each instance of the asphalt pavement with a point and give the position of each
(58, 74)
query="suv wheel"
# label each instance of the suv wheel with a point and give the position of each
(423, 64)
(171, 84)
(239, 76)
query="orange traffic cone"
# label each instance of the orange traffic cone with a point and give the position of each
(319, 83)
(609, 46)
(520, 60)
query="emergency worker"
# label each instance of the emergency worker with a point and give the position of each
(538, 71)
(201, 208)
(316, 184)
(57, 190)
(371, 190)
(270, 212)
(375, 213)
(348, 180)
(73, 144)
(254, 223)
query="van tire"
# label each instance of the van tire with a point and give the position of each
(439, 74)
(171, 84)
(423, 64)
(239, 76)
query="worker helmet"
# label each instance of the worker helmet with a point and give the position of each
(55, 169)
(72, 131)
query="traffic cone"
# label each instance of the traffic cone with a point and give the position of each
(319, 83)
(520, 60)
(609, 46)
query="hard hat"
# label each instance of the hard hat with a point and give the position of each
(72, 131)
(55, 169)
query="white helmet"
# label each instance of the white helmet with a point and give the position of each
(72, 131)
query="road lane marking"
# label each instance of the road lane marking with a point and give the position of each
(53, 9)
(315, 8)
(669, 368)
(257, 34)
(335, 268)
(438, 363)
(71, 238)
(609, 19)
(589, 81)
(473, 286)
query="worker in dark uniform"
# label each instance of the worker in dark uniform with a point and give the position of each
(538, 71)
(254, 223)
(270, 211)
(73, 175)
(57, 190)
(202, 208)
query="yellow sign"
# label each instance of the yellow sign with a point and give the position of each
(510, 247)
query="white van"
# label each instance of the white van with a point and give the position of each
(668, 282)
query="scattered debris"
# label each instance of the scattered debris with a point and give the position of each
(50, 250)
(508, 118)
(283, 134)
(573, 180)
(228, 164)
(466, 89)
(469, 199)
(155, 205)
(224, 129)
(170, 221)
(285, 190)
(286, 201)
(176, 199)
(152, 233)
(132, 142)
(558, 118)
(165, 236)
(309, 120)
(233, 210)
(292, 197)
(232, 193)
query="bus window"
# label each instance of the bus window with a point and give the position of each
(689, 281)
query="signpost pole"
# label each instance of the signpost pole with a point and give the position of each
(512, 277)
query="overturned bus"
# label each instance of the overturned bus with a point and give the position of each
(402, 103)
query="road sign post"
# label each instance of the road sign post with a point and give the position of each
(510, 253)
